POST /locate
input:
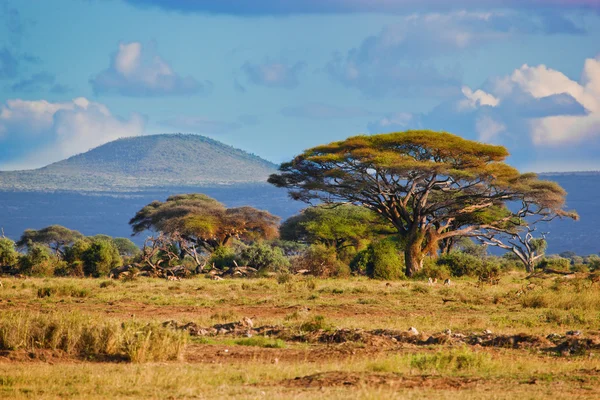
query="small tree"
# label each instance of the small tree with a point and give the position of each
(100, 257)
(126, 247)
(516, 233)
(197, 223)
(56, 237)
(339, 226)
(8, 252)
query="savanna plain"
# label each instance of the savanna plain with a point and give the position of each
(526, 337)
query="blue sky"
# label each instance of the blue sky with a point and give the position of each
(275, 77)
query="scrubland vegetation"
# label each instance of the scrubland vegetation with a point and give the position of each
(386, 289)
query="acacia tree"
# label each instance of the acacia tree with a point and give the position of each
(337, 226)
(516, 234)
(422, 182)
(56, 237)
(203, 223)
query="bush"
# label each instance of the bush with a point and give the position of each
(321, 260)
(222, 257)
(385, 261)
(100, 258)
(264, 257)
(8, 253)
(557, 263)
(461, 264)
(38, 261)
(360, 262)
(450, 361)
(433, 270)
(488, 272)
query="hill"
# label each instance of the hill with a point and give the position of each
(145, 162)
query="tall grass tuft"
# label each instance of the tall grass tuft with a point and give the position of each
(83, 336)
(456, 360)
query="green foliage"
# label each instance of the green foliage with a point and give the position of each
(56, 237)
(360, 262)
(455, 360)
(222, 257)
(204, 222)
(261, 341)
(37, 261)
(264, 257)
(416, 180)
(557, 263)
(316, 323)
(461, 264)
(8, 253)
(431, 269)
(385, 260)
(321, 260)
(342, 226)
(126, 247)
(100, 257)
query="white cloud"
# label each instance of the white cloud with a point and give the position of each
(274, 74)
(53, 131)
(477, 98)
(138, 71)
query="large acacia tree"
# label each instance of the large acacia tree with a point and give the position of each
(430, 186)
(203, 222)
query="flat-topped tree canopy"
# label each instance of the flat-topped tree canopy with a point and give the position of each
(421, 181)
(204, 220)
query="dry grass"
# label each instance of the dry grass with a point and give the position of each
(87, 322)
(89, 338)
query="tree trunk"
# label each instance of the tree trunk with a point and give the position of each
(413, 254)
(530, 266)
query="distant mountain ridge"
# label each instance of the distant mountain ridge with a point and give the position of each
(144, 162)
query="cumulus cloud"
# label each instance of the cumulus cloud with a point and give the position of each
(290, 7)
(138, 71)
(539, 113)
(324, 111)
(399, 60)
(274, 74)
(45, 132)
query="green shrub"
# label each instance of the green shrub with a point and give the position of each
(314, 324)
(222, 257)
(38, 261)
(557, 263)
(456, 360)
(461, 264)
(488, 271)
(433, 270)
(360, 262)
(321, 260)
(101, 256)
(385, 261)
(8, 253)
(264, 257)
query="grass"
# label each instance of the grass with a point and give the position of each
(88, 324)
(261, 341)
(89, 338)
